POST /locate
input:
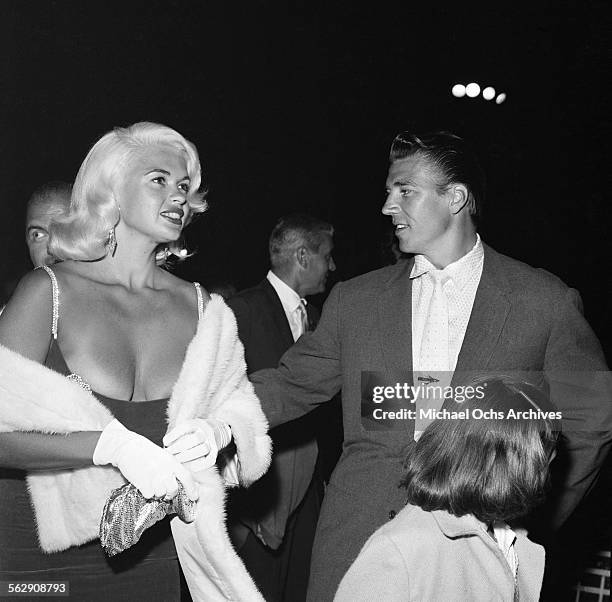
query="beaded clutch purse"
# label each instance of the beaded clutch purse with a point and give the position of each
(127, 514)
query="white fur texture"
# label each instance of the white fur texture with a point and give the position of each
(68, 504)
(213, 383)
(212, 569)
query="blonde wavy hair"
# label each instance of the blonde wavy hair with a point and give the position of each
(83, 233)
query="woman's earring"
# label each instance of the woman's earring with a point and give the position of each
(162, 255)
(111, 243)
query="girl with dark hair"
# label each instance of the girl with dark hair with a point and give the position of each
(466, 480)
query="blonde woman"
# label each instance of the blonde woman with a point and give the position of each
(112, 320)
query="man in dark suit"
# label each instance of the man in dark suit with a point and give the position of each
(456, 306)
(273, 523)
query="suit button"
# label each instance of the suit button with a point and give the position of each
(392, 514)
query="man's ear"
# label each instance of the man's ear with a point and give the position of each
(303, 256)
(459, 198)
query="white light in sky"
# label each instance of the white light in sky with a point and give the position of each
(472, 90)
(458, 91)
(488, 93)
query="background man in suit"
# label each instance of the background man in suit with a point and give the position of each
(46, 203)
(457, 306)
(273, 523)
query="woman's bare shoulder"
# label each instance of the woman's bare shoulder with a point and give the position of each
(70, 272)
(34, 290)
(25, 323)
(186, 288)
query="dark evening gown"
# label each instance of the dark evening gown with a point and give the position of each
(147, 571)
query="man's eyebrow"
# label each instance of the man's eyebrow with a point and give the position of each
(35, 227)
(404, 182)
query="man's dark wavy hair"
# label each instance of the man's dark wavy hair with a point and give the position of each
(493, 469)
(453, 158)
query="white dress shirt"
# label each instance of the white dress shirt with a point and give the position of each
(461, 279)
(292, 304)
(505, 538)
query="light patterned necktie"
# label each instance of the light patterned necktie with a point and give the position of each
(433, 374)
(302, 316)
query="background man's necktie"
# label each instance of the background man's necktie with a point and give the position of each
(302, 316)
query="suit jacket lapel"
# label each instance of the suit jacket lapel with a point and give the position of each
(395, 319)
(489, 314)
(313, 317)
(279, 316)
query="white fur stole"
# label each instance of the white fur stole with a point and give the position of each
(212, 382)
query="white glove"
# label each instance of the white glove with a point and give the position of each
(197, 442)
(151, 469)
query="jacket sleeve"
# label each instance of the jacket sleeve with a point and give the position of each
(309, 373)
(378, 573)
(581, 387)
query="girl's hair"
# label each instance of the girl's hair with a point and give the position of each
(83, 234)
(493, 468)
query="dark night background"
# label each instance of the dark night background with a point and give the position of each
(293, 107)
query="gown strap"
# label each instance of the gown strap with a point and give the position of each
(198, 288)
(55, 297)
